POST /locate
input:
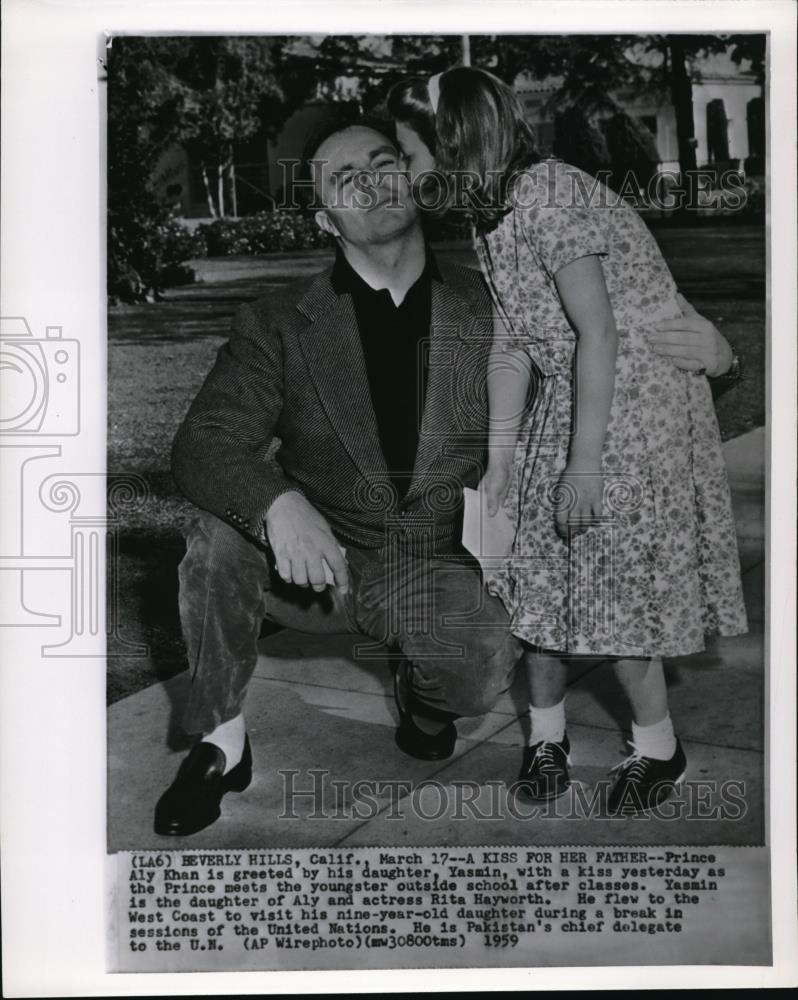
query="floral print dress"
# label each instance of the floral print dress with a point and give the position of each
(660, 570)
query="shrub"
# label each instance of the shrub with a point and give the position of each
(286, 231)
(723, 200)
(179, 244)
(755, 192)
(264, 232)
(147, 250)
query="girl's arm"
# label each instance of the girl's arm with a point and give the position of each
(583, 293)
(509, 370)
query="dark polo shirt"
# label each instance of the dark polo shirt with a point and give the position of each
(395, 350)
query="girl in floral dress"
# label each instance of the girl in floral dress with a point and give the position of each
(612, 473)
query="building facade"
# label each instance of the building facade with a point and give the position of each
(728, 114)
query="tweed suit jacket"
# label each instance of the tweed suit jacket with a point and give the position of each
(293, 369)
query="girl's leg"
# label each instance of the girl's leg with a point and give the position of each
(648, 776)
(644, 684)
(546, 676)
(544, 767)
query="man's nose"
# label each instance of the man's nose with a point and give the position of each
(372, 176)
(389, 181)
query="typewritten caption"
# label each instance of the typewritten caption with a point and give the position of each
(382, 907)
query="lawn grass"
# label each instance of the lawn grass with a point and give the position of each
(159, 354)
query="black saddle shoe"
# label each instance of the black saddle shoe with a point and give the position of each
(410, 738)
(193, 800)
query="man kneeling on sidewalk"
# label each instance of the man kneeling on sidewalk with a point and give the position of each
(360, 493)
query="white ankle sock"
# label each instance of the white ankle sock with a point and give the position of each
(229, 737)
(547, 723)
(657, 741)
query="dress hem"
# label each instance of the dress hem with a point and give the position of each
(667, 650)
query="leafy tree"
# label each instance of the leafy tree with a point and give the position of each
(591, 130)
(205, 92)
(577, 140)
(139, 128)
(592, 67)
(753, 48)
(228, 90)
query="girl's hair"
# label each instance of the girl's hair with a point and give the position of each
(481, 131)
(408, 102)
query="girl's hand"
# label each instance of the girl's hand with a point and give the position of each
(580, 493)
(495, 483)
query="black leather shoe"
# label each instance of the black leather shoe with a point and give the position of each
(643, 782)
(192, 801)
(544, 771)
(411, 739)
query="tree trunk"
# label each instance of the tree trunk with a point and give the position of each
(208, 194)
(682, 97)
(233, 195)
(220, 188)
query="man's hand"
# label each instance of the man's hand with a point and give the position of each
(302, 542)
(692, 342)
(580, 495)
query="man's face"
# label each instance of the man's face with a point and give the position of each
(360, 180)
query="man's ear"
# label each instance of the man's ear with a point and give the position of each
(325, 223)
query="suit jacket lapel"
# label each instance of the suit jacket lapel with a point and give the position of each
(446, 331)
(334, 355)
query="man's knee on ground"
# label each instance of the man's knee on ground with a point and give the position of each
(472, 685)
(212, 545)
(494, 672)
(220, 567)
(470, 700)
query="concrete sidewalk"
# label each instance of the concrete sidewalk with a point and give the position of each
(317, 716)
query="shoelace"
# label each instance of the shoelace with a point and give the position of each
(546, 754)
(632, 767)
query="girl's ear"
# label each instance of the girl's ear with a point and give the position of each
(324, 222)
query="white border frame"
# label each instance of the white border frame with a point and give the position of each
(53, 714)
